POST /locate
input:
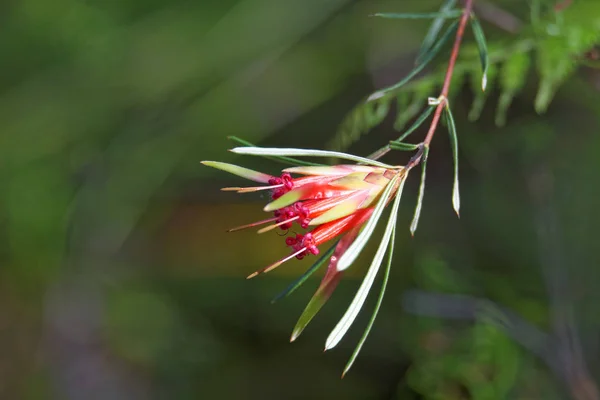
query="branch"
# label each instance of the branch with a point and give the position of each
(445, 88)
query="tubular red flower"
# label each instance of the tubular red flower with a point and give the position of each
(333, 199)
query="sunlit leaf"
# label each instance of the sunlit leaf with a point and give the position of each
(483, 50)
(361, 295)
(283, 160)
(454, 145)
(415, 221)
(275, 151)
(384, 282)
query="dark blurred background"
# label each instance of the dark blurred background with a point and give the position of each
(118, 280)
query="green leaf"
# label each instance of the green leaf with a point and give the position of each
(384, 282)
(440, 15)
(512, 79)
(418, 122)
(283, 160)
(434, 30)
(361, 295)
(239, 171)
(357, 246)
(482, 46)
(298, 282)
(454, 145)
(415, 221)
(403, 146)
(426, 59)
(481, 96)
(274, 151)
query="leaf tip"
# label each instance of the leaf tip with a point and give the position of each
(456, 205)
(374, 96)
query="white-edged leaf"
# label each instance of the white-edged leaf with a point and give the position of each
(284, 160)
(361, 295)
(454, 145)
(384, 282)
(415, 221)
(275, 151)
(361, 240)
(483, 51)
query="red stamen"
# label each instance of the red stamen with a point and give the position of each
(285, 222)
(250, 225)
(275, 265)
(249, 189)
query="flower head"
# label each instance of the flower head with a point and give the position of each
(324, 202)
(315, 204)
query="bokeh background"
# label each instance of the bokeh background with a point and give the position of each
(118, 281)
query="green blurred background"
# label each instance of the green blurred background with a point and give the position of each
(118, 280)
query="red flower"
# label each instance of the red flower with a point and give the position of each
(325, 202)
(333, 200)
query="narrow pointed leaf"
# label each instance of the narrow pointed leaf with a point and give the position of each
(283, 160)
(377, 154)
(327, 285)
(274, 151)
(357, 246)
(454, 145)
(441, 15)
(426, 59)
(418, 122)
(403, 146)
(361, 295)
(298, 282)
(434, 30)
(482, 47)
(384, 282)
(415, 221)
(316, 303)
(239, 171)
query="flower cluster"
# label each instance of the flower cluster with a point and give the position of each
(316, 204)
(329, 199)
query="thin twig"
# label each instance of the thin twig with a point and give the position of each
(466, 14)
(447, 80)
